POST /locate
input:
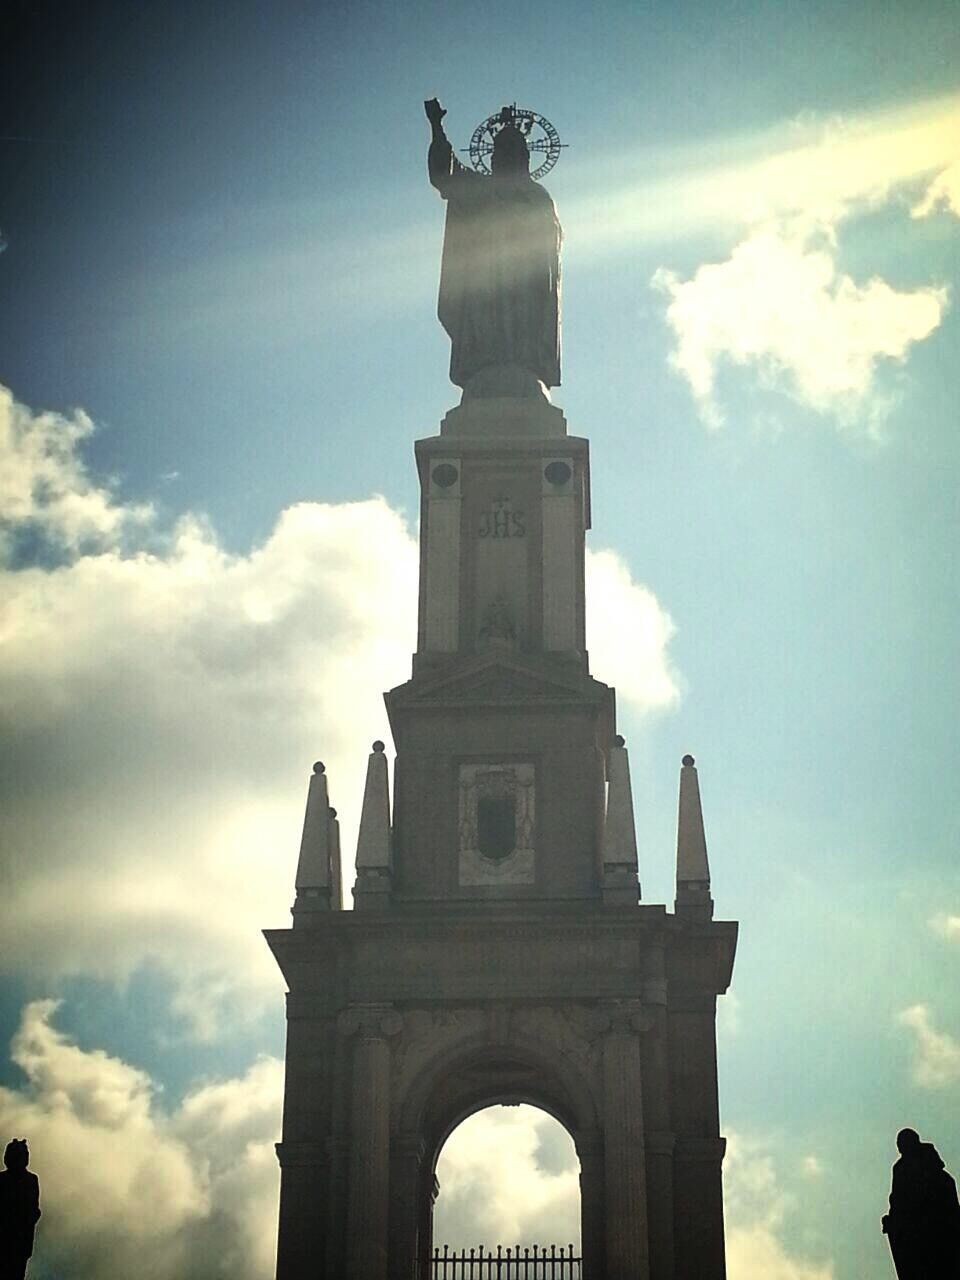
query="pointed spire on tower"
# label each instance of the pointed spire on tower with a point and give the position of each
(318, 870)
(620, 882)
(336, 873)
(374, 862)
(693, 870)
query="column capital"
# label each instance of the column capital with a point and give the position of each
(300, 1154)
(621, 1017)
(711, 1150)
(370, 1021)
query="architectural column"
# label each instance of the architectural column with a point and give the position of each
(429, 1189)
(654, 1060)
(405, 1209)
(369, 1192)
(303, 1175)
(592, 1232)
(623, 1145)
(304, 1172)
(700, 1251)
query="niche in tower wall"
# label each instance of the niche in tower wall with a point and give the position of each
(502, 525)
(497, 821)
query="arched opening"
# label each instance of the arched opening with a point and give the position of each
(522, 1085)
(508, 1177)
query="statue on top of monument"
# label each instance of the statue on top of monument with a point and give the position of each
(500, 274)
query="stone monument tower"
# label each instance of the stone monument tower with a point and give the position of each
(498, 950)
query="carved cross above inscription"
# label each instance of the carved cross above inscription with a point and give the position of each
(500, 520)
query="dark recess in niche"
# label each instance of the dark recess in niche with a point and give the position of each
(496, 826)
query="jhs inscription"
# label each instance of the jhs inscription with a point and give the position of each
(501, 521)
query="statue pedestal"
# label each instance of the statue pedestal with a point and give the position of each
(505, 417)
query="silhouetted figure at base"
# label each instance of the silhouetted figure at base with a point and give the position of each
(923, 1224)
(19, 1210)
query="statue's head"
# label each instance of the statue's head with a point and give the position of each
(17, 1154)
(511, 155)
(907, 1140)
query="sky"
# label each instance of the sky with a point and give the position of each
(218, 343)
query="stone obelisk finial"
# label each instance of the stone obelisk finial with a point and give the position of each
(372, 889)
(620, 883)
(693, 870)
(318, 878)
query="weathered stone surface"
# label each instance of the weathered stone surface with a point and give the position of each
(471, 1006)
(500, 953)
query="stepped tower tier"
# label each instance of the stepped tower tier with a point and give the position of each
(501, 734)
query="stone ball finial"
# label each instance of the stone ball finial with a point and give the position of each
(319, 767)
(378, 746)
(620, 740)
(688, 760)
(332, 813)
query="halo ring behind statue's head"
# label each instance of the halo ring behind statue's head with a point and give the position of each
(540, 135)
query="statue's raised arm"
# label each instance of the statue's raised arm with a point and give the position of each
(500, 275)
(442, 164)
(435, 114)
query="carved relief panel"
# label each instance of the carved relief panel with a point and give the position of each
(497, 824)
(500, 525)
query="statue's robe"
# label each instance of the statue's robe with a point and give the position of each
(500, 274)
(923, 1225)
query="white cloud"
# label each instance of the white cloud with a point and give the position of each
(167, 699)
(511, 1175)
(128, 1188)
(948, 926)
(942, 193)
(43, 482)
(780, 306)
(728, 1016)
(168, 708)
(824, 168)
(496, 1185)
(936, 1054)
(628, 634)
(756, 1207)
(811, 1166)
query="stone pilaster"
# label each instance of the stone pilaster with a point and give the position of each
(592, 1225)
(624, 1156)
(429, 1190)
(304, 1171)
(303, 1176)
(657, 1120)
(368, 1211)
(700, 1250)
(406, 1171)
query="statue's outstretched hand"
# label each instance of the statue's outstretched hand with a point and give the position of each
(434, 111)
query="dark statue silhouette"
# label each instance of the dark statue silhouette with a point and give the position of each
(19, 1210)
(500, 274)
(923, 1225)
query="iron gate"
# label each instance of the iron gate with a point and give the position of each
(539, 1262)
